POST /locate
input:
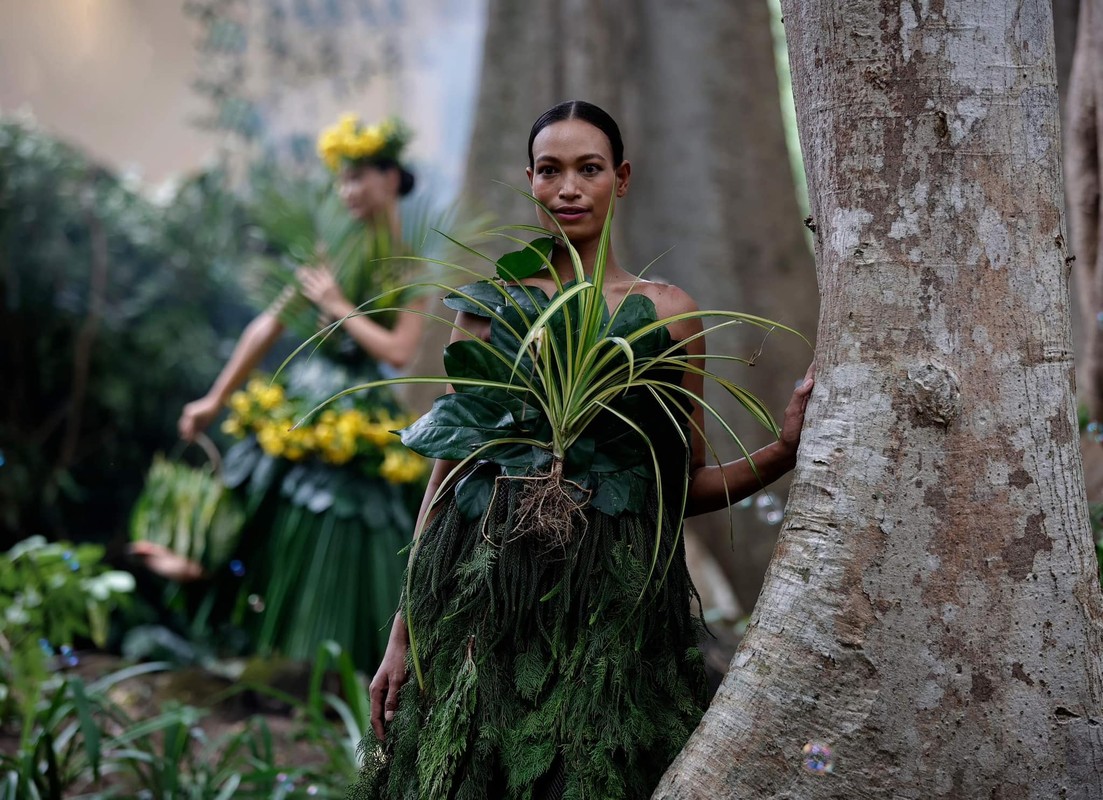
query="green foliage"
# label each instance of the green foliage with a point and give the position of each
(190, 511)
(529, 661)
(51, 596)
(599, 379)
(81, 743)
(304, 223)
(114, 312)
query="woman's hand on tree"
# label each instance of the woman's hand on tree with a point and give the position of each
(320, 288)
(388, 680)
(793, 421)
(197, 416)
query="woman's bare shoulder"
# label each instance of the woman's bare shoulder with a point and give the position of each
(668, 298)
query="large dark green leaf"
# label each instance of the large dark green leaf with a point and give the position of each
(636, 311)
(621, 491)
(525, 413)
(470, 359)
(239, 462)
(468, 298)
(514, 455)
(456, 425)
(538, 462)
(571, 312)
(618, 452)
(580, 455)
(474, 490)
(527, 261)
(506, 335)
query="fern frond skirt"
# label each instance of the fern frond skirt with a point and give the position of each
(566, 672)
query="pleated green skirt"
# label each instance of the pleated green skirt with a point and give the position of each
(327, 577)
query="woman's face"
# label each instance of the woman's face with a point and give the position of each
(574, 177)
(368, 191)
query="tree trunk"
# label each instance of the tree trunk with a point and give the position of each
(712, 180)
(693, 86)
(932, 615)
(1065, 14)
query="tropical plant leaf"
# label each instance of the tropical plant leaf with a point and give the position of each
(475, 298)
(456, 425)
(527, 262)
(468, 358)
(474, 490)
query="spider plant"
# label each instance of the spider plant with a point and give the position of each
(565, 393)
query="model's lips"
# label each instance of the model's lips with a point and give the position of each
(570, 213)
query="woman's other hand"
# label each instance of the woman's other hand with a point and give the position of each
(793, 421)
(197, 416)
(166, 563)
(320, 288)
(388, 680)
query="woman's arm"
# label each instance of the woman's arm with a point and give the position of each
(706, 488)
(391, 674)
(707, 483)
(256, 340)
(396, 346)
(392, 671)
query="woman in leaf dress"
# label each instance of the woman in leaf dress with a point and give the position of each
(547, 648)
(331, 503)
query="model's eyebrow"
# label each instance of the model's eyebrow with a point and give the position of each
(584, 157)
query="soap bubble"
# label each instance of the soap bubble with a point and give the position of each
(818, 758)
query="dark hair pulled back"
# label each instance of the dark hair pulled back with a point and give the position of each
(588, 112)
(405, 177)
(382, 163)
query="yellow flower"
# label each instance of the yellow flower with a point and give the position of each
(255, 386)
(325, 435)
(379, 434)
(270, 396)
(351, 423)
(232, 427)
(348, 139)
(339, 453)
(240, 403)
(347, 123)
(401, 466)
(368, 143)
(270, 439)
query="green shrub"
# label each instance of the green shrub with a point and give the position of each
(114, 311)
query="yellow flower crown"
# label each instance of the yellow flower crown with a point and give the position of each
(349, 141)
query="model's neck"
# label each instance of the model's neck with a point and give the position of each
(388, 220)
(587, 253)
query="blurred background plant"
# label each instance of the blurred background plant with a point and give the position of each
(62, 735)
(116, 310)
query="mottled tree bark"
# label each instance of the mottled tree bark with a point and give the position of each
(932, 613)
(693, 86)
